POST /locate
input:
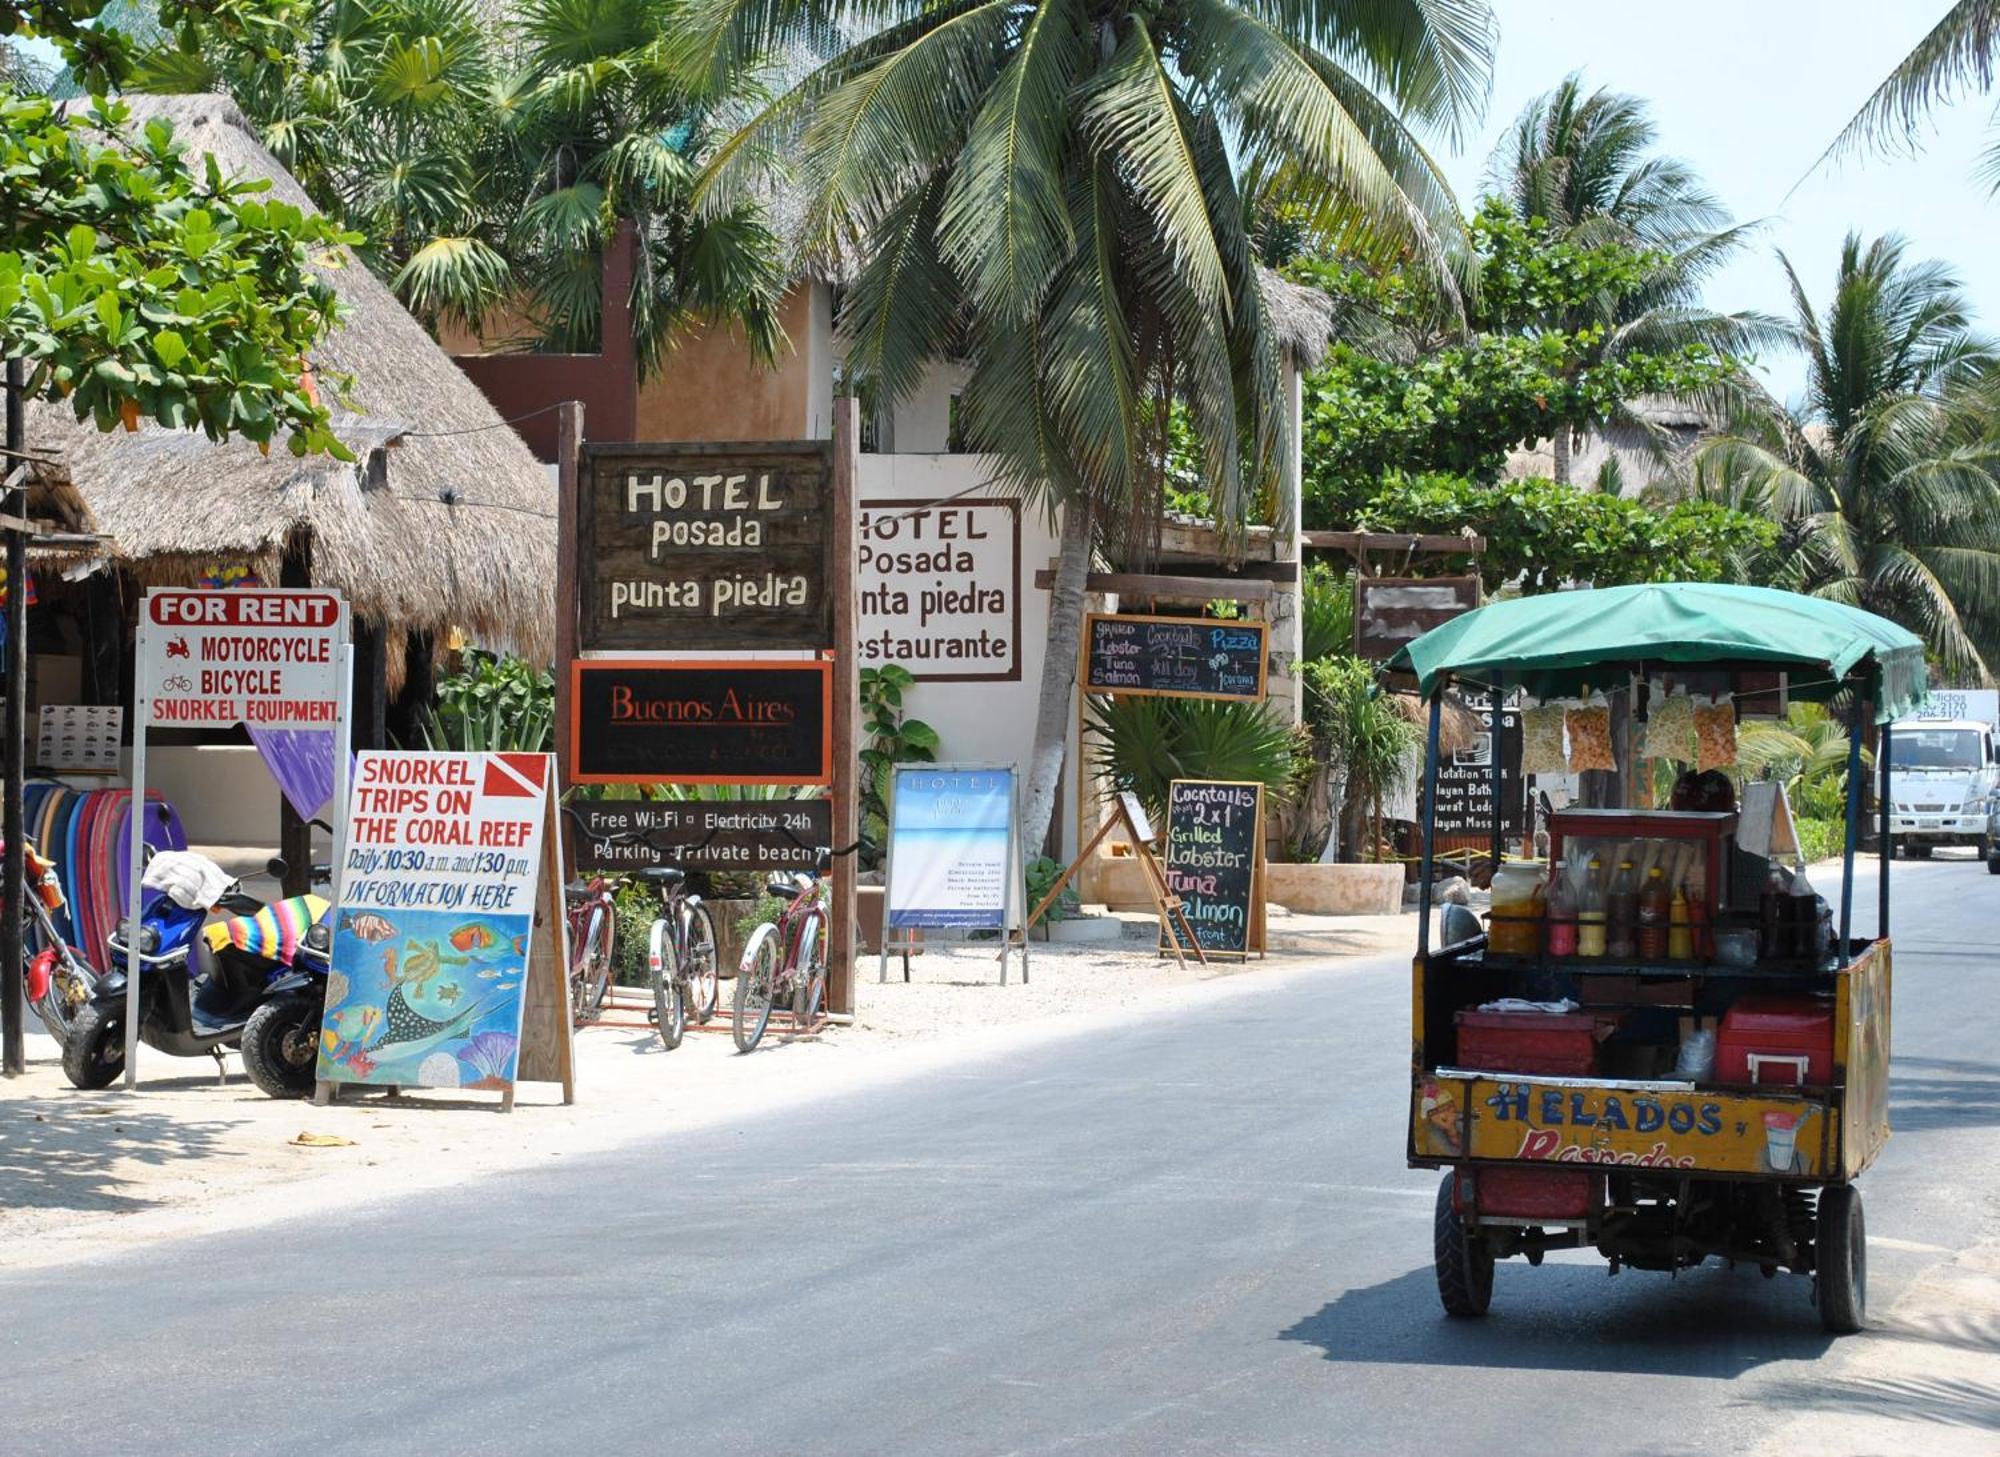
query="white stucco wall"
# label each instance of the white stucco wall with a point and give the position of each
(989, 721)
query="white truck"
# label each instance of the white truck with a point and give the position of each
(1944, 773)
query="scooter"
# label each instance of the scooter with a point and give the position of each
(281, 1039)
(196, 990)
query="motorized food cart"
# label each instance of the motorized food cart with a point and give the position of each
(1705, 1086)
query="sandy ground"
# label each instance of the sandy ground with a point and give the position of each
(83, 1173)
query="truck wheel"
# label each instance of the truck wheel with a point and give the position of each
(1464, 1260)
(1917, 852)
(1840, 1260)
(1993, 864)
(94, 1055)
(281, 1045)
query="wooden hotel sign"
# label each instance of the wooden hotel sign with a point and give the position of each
(704, 547)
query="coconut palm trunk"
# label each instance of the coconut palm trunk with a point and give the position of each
(1053, 715)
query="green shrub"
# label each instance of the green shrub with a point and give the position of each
(493, 702)
(1821, 839)
(1144, 744)
(1040, 874)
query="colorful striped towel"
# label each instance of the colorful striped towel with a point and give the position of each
(273, 933)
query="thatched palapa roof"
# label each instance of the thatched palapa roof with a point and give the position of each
(445, 520)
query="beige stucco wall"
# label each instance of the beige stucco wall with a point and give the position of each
(710, 388)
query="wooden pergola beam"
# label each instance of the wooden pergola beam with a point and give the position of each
(1151, 584)
(1388, 541)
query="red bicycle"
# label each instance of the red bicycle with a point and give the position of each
(593, 923)
(785, 958)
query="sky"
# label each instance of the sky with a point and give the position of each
(1750, 92)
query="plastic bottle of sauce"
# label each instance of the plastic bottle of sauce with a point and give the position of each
(1561, 903)
(1622, 914)
(1590, 937)
(1655, 914)
(1680, 929)
(1516, 925)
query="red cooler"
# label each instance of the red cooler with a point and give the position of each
(1776, 1042)
(1539, 1044)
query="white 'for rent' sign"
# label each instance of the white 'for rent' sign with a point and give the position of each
(213, 659)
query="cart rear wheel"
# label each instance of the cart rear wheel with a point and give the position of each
(1464, 1260)
(1841, 1260)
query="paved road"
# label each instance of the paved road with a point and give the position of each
(1181, 1237)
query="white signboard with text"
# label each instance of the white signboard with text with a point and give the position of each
(270, 659)
(940, 587)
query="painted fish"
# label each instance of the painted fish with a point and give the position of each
(348, 1030)
(367, 925)
(489, 973)
(473, 936)
(521, 944)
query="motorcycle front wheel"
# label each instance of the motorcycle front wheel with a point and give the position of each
(281, 1045)
(94, 1055)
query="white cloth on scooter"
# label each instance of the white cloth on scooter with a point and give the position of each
(190, 880)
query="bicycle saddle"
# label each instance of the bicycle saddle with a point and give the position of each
(576, 890)
(784, 889)
(663, 875)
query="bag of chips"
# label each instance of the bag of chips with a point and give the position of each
(1590, 737)
(1715, 734)
(1670, 727)
(1542, 749)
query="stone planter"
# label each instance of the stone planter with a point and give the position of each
(1081, 930)
(1336, 890)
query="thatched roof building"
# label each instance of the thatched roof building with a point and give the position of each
(444, 521)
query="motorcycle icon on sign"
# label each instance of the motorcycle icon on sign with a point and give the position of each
(178, 648)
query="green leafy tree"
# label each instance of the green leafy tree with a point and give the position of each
(1883, 481)
(1955, 57)
(1382, 408)
(1062, 192)
(1363, 738)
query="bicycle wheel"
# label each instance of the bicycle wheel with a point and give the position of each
(704, 986)
(597, 959)
(809, 993)
(669, 1003)
(754, 981)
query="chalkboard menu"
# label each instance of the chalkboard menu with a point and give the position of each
(705, 546)
(1178, 657)
(1465, 781)
(701, 722)
(1214, 829)
(759, 835)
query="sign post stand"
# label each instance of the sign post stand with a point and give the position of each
(1139, 828)
(275, 657)
(948, 881)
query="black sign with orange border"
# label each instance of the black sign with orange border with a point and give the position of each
(658, 721)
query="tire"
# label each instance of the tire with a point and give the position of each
(753, 988)
(1917, 852)
(281, 1044)
(1840, 1260)
(810, 991)
(703, 983)
(669, 1005)
(94, 1055)
(1464, 1262)
(1993, 865)
(58, 1013)
(595, 982)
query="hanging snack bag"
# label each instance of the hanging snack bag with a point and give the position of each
(1542, 749)
(1715, 734)
(1590, 737)
(1670, 727)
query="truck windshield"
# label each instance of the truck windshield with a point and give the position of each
(1934, 749)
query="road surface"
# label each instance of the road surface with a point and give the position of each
(1179, 1237)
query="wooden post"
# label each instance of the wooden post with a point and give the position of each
(846, 702)
(569, 452)
(14, 750)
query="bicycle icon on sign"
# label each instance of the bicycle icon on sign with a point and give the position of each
(177, 683)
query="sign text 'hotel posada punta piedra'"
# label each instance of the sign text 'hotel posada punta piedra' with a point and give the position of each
(694, 546)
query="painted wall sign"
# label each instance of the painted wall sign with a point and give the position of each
(1652, 1127)
(941, 588)
(705, 546)
(1181, 657)
(439, 885)
(701, 722)
(1465, 781)
(1213, 831)
(269, 658)
(952, 860)
(1392, 611)
(758, 835)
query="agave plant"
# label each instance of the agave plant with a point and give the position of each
(1144, 744)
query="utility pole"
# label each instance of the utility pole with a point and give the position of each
(14, 746)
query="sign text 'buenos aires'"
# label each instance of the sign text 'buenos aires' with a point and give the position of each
(705, 546)
(701, 722)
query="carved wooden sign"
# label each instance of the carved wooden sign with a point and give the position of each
(705, 546)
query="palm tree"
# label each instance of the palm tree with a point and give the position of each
(1588, 166)
(1957, 55)
(1884, 479)
(1064, 193)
